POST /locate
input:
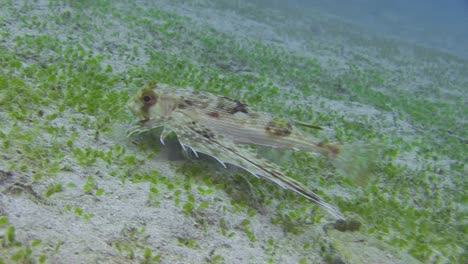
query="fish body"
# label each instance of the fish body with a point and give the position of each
(218, 126)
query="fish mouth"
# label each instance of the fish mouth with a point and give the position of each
(140, 119)
(133, 109)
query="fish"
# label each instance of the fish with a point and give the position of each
(220, 127)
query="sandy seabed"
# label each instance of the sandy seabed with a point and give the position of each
(128, 223)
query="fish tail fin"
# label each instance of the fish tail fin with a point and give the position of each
(355, 161)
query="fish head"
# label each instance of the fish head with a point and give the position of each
(153, 106)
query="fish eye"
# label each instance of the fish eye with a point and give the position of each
(146, 98)
(149, 98)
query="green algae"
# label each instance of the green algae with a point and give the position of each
(404, 208)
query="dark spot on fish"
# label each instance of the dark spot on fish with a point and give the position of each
(348, 225)
(333, 150)
(213, 114)
(203, 131)
(279, 128)
(240, 107)
(184, 104)
(207, 133)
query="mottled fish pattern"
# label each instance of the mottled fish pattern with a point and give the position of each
(218, 126)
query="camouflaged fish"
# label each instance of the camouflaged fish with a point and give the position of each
(216, 125)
